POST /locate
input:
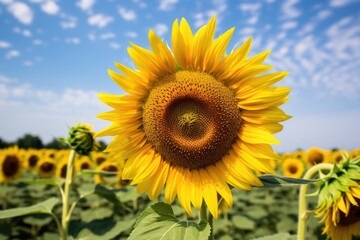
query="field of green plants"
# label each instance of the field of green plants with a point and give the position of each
(107, 207)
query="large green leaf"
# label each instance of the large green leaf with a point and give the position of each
(101, 191)
(158, 222)
(43, 207)
(98, 229)
(272, 181)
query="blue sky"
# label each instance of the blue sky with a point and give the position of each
(54, 57)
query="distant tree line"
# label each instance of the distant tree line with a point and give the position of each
(32, 141)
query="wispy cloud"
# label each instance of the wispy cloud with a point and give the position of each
(21, 11)
(289, 9)
(50, 7)
(131, 34)
(12, 54)
(114, 45)
(85, 5)
(127, 14)
(4, 44)
(167, 5)
(107, 35)
(289, 25)
(67, 21)
(340, 3)
(323, 14)
(73, 40)
(160, 29)
(100, 20)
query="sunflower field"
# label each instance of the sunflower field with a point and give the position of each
(107, 206)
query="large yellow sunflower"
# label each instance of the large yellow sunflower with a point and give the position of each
(10, 164)
(339, 201)
(195, 118)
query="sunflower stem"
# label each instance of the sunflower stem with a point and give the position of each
(211, 222)
(68, 180)
(303, 212)
(203, 212)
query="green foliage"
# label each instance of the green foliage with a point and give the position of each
(272, 181)
(29, 141)
(43, 207)
(158, 222)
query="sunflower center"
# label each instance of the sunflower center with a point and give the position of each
(33, 159)
(47, 167)
(191, 119)
(352, 217)
(10, 165)
(316, 158)
(292, 169)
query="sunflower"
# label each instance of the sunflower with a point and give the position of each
(61, 168)
(31, 158)
(99, 157)
(46, 167)
(195, 118)
(293, 167)
(84, 163)
(10, 164)
(315, 155)
(339, 201)
(336, 156)
(107, 166)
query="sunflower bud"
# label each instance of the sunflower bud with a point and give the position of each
(81, 139)
(339, 200)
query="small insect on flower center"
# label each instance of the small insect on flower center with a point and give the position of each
(191, 119)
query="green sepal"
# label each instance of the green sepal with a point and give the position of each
(159, 222)
(272, 181)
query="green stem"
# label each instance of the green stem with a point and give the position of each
(203, 211)
(211, 222)
(68, 180)
(302, 215)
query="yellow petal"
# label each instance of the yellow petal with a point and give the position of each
(210, 195)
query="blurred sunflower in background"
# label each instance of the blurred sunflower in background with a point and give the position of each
(195, 118)
(83, 163)
(99, 157)
(31, 158)
(11, 164)
(46, 167)
(293, 167)
(108, 166)
(339, 200)
(336, 156)
(61, 168)
(315, 155)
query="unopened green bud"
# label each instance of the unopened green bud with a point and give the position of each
(81, 139)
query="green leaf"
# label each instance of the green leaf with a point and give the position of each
(278, 236)
(43, 207)
(272, 181)
(158, 222)
(38, 219)
(95, 213)
(98, 229)
(101, 191)
(243, 222)
(127, 193)
(93, 172)
(48, 181)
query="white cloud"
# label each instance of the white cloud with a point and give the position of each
(218, 10)
(85, 5)
(250, 7)
(107, 35)
(131, 34)
(100, 20)
(6, 79)
(289, 25)
(308, 28)
(114, 45)
(50, 7)
(160, 29)
(26, 33)
(167, 5)
(247, 31)
(38, 42)
(21, 12)
(28, 63)
(127, 14)
(340, 3)
(72, 40)
(12, 54)
(4, 44)
(140, 3)
(289, 10)
(323, 14)
(92, 36)
(68, 21)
